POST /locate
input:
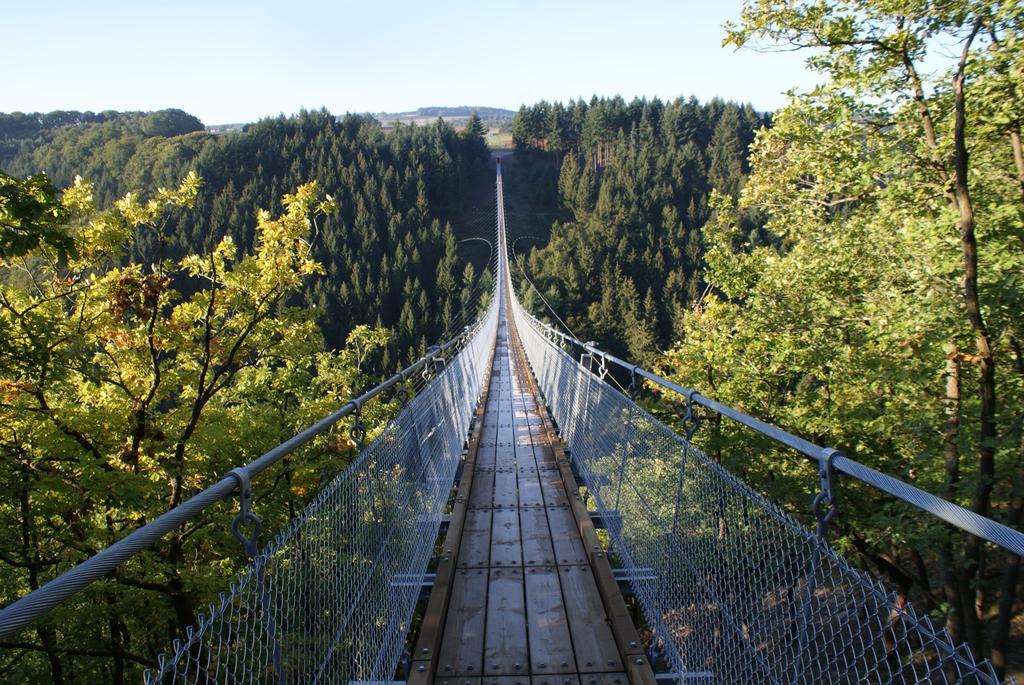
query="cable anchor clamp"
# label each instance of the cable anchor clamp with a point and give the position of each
(402, 393)
(631, 390)
(691, 420)
(437, 361)
(245, 516)
(357, 433)
(823, 505)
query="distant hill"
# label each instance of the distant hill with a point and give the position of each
(218, 129)
(482, 112)
(494, 118)
(31, 125)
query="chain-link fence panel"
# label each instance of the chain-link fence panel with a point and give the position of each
(734, 589)
(331, 598)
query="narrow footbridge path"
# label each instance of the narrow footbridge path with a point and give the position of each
(525, 594)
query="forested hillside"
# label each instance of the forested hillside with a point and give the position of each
(847, 268)
(632, 183)
(23, 132)
(387, 249)
(158, 328)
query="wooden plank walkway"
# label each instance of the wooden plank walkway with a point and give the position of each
(519, 599)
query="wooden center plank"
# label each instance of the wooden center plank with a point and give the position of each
(505, 646)
(547, 625)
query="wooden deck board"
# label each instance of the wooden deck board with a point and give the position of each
(565, 538)
(507, 680)
(592, 637)
(505, 492)
(530, 493)
(536, 537)
(506, 546)
(547, 625)
(462, 647)
(455, 680)
(604, 679)
(563, 679)
(553, 487)
(505, 648)
(545, 456)
(476, 539)
(483, 488)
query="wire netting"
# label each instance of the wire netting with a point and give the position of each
(734, 589)
(331, 598)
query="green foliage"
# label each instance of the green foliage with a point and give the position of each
(152, 339)
(474, 127)
(624, 263)
(21, 125)
(31, 215)
(853, 323)
(394, 194)
(21, 132)
(121, 396)
(168, 122)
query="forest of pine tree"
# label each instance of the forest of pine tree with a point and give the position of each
(388, 248)
(630, 184)
(846, 268)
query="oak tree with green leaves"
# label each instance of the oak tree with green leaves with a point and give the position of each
(121, 397)
(30, 216)
(884, 316)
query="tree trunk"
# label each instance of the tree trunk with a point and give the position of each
(951, 447)
(30, 553)
(49, 642)
(1018, 158)
(981, 501)
(1011, 574)
(184, 610)
(116, 644)
(923, 578)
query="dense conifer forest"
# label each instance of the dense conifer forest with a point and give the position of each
(388, 248)
(854, 280)
(628, 185)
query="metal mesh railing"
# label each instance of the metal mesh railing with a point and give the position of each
(734, 589)
(331, 599)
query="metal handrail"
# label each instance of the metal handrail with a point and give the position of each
(30, 607)
(827, 458)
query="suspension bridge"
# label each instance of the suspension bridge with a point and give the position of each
(523, 522)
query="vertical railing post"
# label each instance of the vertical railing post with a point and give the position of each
(578, 448)
(690, 424)
(626, 435)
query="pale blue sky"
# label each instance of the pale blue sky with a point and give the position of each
(235, 61)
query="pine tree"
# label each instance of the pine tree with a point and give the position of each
(727, 154)
(475, 128)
